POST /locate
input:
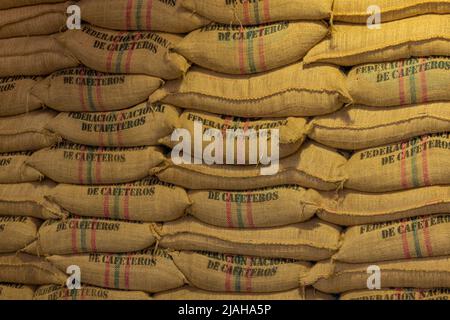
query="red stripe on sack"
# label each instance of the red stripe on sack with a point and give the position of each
(128, 15)
(261, 51)
(119, 133)
(94, 236)
(127, 273)
(81, 89)
(228, 274)
(228, 209)
(427, 237)
(98, 91)
(266, 10)
(80, 167)
(106, 212)
(406, 252)
(148, 17)
(423, 82)
(74, 239)
(248, 276)
(250, 221)
(245, 7)
(111, 54)
(107, 270)
(241, 52)
(401, 85)
(403, 178)
(129, 55)
(425, 169)
(98, 167)
(126, 203)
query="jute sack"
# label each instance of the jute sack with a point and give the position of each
(33, 20)
(409, 81)
(424, 273)
(54, 292)
(27, 199)
(356, 11)
(81, 235)
(350, 45)
(14, 170)
(168, 16)
(355, 208)
(78, 164)
(301, 169)
(87, 90)
(285, 92)
(310, 241)
(17, 232)
(398, 294)
(26, 132)
(189, 293)
(142, 125)
(359, 127)
(421, 161)
(39, 55)
(147, 200)
(258, 12)
(6, 4)
(10, 291)
(243, 50)
(416, 237)
(27, 269)
(149, 271)
(231, 273)
(292, 132)
(268, 207)
(126, 52)
(15, 97)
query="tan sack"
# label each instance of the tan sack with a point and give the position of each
(398, 294)
(17, 232)
(5, 4)
(13, 291)
(14, 170)
(16, 97)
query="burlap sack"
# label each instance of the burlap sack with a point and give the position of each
(356, 11)
(310, 241)
(10, 291)
(26, 269)
(14, 170)
(398, 294)
(5, 4)
(350, 45)
(149, 271)
(418, 162)
(15, 97)
(285, 92)
(292, 132)
(409, 81)
(302, 169)
(168, 16)
(17, 232)
(126, 52)
(269, 207)
(359, 127)
(78, 164)
(231, 273)
(244, 50)
(147, 200)
(142, 125)
(54, 292)
(82, 235)
(87, 90)
(424, 273)
(26, 132)
(354, 208)
(27, 199)
(39, 55)
(33, 20)
(189, 293)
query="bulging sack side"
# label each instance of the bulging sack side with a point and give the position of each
(398, 294)
(244, 50)
(13, 291)
(17, 232)
(13, 168)
(86, 90)
(16, 97)
(6, 4)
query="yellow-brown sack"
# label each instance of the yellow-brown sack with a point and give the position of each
(11, 291)
(142, 125)
(268, 207)
(149, 271)
(87, 90)
(424, 273)
(231, 273)
(14, 170)
(17, 232)
(398, 294)
(419, 162)
(167, 16)
(54, 292)
(26, 132)
(259, 12)
(83, 235)
(15, 97)
(313, 240)
(33, 56)
(126, 52)
(148, 200)
(27, 269)
(408, 81)
(356, 11)
(6, 4)
(359, 127)
(289, 91)
(73, 163)
(350, 45)
(300, 168)
(244, 50)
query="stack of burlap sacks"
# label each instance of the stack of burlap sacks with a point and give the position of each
(89, 180)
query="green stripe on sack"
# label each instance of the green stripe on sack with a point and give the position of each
(90, 94)
(119, 59)
(138, 14)
(239, 214)
(116, 212)
(256, 11)
(416, 239)
(237, 278)
(117, 271)
(90, 151)
(414, 171)
(412, 88)
(83, 243)
(250, 58)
